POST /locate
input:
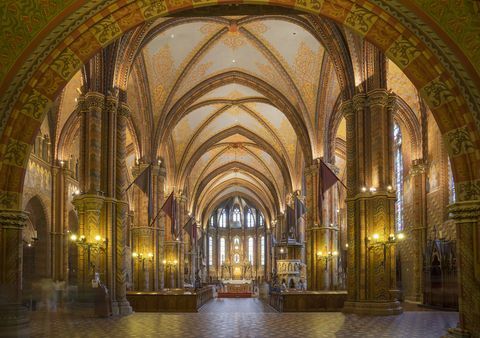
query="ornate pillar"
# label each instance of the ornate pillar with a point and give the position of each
(89, 209)
(159, 175)
(370, 205)
(321, 248)
(416, 233)
(181, 214)
(466, 215)
(14, 317)
(58, 232)
(90, 106)
(121, 225)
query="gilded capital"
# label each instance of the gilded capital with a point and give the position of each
(465, 211)
(13, 218)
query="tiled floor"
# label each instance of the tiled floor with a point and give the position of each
(243, 318)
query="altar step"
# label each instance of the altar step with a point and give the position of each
(234, 295)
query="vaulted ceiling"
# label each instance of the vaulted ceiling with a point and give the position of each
(232, 103)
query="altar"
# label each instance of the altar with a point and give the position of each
(235, 288)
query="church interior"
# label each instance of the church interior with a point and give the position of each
(263, 168)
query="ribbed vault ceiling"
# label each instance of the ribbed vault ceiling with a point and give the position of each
(233, 104)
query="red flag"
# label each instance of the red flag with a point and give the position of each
(142, 181)
(189, 226)
(327, 178)
(169, 209)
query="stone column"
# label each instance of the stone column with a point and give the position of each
(90, 106)
(467, 218)
(122, 305)
(159, 236)
(58, 231)
(14, 317)
(415, 232)
(181, 214)
(370, 205)
(89, 209)
(319, 236)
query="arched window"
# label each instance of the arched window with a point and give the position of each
(452, 197)
(223, 219)
(236, 215)
(210, 250)
(249, 219)
(250, 249)
(222, 250)
(212, 221)
(262, 250)
(398, 167)
(261, 221)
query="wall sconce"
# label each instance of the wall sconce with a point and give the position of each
(373, 190)
(389, 188)
(95, 247)
(364, 189)
(374, 241)
(326, 257)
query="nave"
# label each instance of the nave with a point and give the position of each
(245, 318)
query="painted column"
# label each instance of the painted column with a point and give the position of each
(320, 247)
(370, 205)
(182, 213)
(122, 304)
(14, 317)
(58, 231)
(466, 215)
(90, 202)
(416, 233)
(159, 235)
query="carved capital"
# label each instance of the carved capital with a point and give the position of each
(346, 107)
(87, 202)
(124, 110)
(359, 101)
(13, 219)
(465, 212)
(418, 167)
(378, 97)
(94, 100)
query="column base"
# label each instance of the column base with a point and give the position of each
(457, 332)
(14, 321)
(121, 308)
(373, 308)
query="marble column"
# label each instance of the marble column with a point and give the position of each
(466, 215)
(14, 317)
(370, 205)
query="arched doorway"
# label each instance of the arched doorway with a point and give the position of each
(35, 247)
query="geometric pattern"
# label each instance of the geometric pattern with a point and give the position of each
(243, 318)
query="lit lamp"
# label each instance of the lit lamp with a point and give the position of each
(171, 266)
(91, 247)
(374, 241)
(328, 256)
